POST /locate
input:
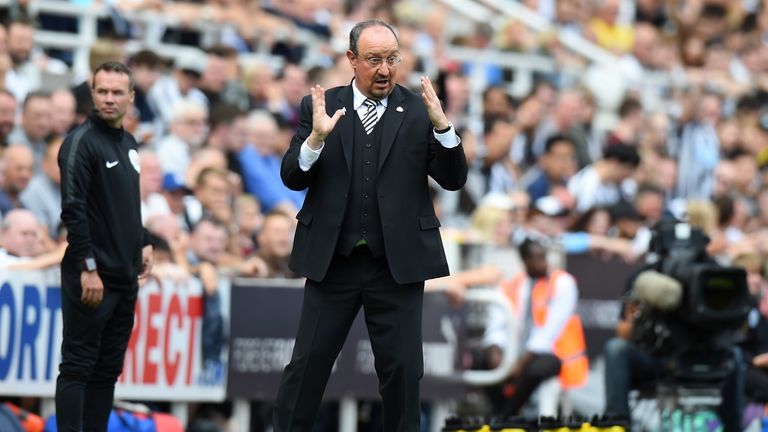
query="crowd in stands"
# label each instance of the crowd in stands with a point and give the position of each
(676, 126)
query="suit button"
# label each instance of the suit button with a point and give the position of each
(346, 196)
(367, 178)
(368, 145)
(365, 196)
(364, 214)
(367, 162)
(363, 231)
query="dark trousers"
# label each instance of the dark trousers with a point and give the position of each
(92, 349)
(756, 383)
(393, 317)
(628, 367)
(540, 368)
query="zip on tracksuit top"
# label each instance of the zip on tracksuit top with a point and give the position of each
(100, 202)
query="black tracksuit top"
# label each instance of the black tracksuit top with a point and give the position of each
(100, 202)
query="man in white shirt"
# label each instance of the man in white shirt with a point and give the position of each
(189, 129)
(181, 84)
(43, 194)
(604, 182)
(18, 237)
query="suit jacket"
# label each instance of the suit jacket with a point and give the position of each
(409, 153)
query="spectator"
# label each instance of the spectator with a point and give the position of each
(182, 84)
(261, 166)
(627, 130)
(565, 119)
(188, 130)
(18, 237)
(211, 158)
(174, 190)
(496, 100)
(214, 76)
(8, 107)
(146, 67)
(27, 62)
(491, 221)
(607, 31)
(43, 194)
(150, 185)
(649, 203)
(600, 184)
(212, 198)
(698, 151)
(556, 166)
(18, 169)
(643, 56)
(293, 83)
(530, 114)
(63, 110)
(168, 228)
(219, 80)
(456, 95)
(275, 244)
(35, 127)
(249, 221)
(208, 258)
(227, 133)
(263, 91)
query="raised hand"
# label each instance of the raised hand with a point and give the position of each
(322, 124)
(434, 109)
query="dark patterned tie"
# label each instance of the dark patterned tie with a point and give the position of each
(371, 117)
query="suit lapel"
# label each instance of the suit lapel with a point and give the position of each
(346, 126)
(396, 109)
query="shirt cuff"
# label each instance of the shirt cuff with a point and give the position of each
(539, 345)
(448, 139)
(308, 156)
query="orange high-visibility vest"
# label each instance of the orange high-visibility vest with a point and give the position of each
(570, 346)
(29, 421)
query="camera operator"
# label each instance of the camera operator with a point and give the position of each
(630, 362)
(755, 345)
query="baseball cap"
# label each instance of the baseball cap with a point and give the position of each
(173, 182)
(191, 60)
(550, 205)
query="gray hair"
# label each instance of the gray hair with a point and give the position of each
(354, 34)
(187, 106)
(259, 117)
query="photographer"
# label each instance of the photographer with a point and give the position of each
(755, 344)
(654, 299)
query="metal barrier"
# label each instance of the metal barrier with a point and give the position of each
(153, 23)
(489, 10)
(258, 378)
(492, 296)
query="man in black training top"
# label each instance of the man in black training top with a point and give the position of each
(108, 252)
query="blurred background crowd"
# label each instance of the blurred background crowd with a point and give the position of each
(585, 122)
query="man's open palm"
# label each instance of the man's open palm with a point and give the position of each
(322, 124)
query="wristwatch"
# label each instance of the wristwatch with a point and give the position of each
(442, 131)
(88, 264)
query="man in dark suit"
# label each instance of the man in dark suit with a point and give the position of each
(367, 232)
